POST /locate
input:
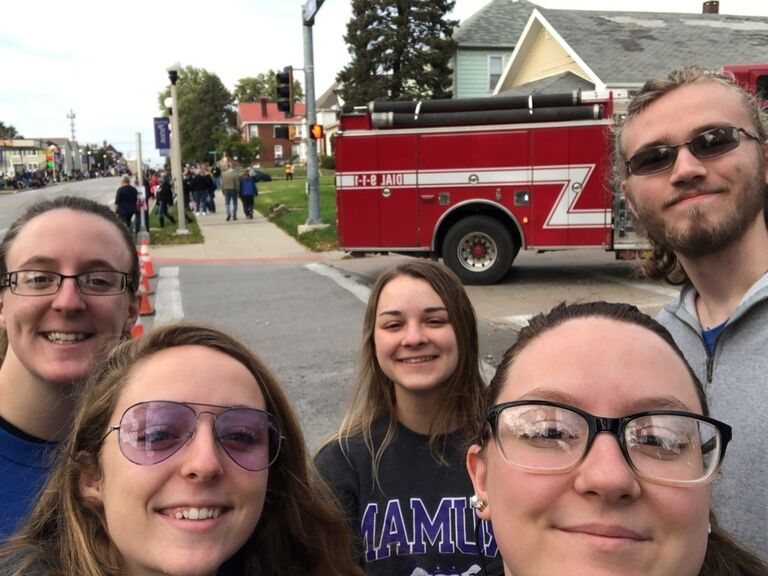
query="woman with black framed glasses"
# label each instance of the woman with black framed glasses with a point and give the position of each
(597, 454)
(186, 460)
(68, 275)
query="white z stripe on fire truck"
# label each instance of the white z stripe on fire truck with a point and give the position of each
(564, 213)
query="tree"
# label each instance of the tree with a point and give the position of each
(262, 86)
(9, 131)
(232, 146)
(205, 111)
(401, 50)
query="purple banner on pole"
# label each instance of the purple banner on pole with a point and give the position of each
(162, 134)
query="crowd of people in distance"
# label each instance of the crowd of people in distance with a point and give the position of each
(608, 443)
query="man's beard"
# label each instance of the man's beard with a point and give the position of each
(697, 235)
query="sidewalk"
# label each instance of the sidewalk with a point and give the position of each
(259, 240)
(256, 240)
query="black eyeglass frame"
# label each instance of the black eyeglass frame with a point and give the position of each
(271, 418)
(617, 428)
(673, 157)
(10, 281)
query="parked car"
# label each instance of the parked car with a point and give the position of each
(259, 176)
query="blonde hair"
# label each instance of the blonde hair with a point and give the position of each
(67, 533)
(374, 396)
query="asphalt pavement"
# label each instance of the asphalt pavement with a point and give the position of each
(259, 240)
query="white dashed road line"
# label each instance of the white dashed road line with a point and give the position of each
(360, 291)
(168, 296)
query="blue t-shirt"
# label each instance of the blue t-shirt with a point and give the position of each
(24, 467)
(710, 335)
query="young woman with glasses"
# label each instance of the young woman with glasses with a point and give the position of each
(186, 460)
(68, 274)
(597, 455)
(397, 463)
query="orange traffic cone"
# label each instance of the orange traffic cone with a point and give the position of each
(138, 329)
(149, 269)
(144, 281)
(145, 307)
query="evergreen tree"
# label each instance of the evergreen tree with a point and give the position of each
(401, 50)
(9, 131)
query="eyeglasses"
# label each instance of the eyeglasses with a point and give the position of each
(663, 446)
(45, 283)
(708, 144)
(151, 432)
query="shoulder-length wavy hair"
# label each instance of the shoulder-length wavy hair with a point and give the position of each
(663, 263)
(460, 404)
(724, 557)
(76, 204)
(299, 532)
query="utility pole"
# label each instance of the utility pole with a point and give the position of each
(71, 117)
(144, 194)
(178, 180)
(313, 177)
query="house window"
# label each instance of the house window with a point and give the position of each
(253, 132)
(278, 151)
(495, 68)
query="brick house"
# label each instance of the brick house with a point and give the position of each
(264, 121)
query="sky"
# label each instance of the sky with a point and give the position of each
(108, 65)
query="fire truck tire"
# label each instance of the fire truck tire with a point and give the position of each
(479, 249)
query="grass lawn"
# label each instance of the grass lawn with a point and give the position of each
(167, 235)
(292, 194)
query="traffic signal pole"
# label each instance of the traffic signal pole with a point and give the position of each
(313, 177)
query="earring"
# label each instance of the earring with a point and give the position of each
(477, 503)
(709, 528)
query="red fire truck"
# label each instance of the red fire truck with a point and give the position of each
(473, 181)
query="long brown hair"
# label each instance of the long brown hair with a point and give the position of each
(724, 557)
(374, 396)
(663, 263)
(298, 533)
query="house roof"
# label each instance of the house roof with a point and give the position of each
(497, 25)
(624, 48)
(329, 98)
(251, 112)
(562, 83)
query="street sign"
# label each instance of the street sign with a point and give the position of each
(310, 9)
(162, 134)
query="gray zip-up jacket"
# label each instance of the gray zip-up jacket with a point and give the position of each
(735, 379)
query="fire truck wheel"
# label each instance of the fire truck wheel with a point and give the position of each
(479, 249)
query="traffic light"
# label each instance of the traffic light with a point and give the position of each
(285, 91)
(316, 131)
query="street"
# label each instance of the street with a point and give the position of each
(304, 317)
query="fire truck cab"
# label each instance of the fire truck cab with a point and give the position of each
(475, 186)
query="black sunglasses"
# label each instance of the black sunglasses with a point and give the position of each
(708, 144)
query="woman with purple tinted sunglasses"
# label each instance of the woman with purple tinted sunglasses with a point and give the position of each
(186, 460)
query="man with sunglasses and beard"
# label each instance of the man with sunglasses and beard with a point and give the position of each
(692, 161)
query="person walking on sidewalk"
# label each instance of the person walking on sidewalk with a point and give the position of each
(248, 192)
(164, 197)
(125, 200)
(230, 186)
(198, 185)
